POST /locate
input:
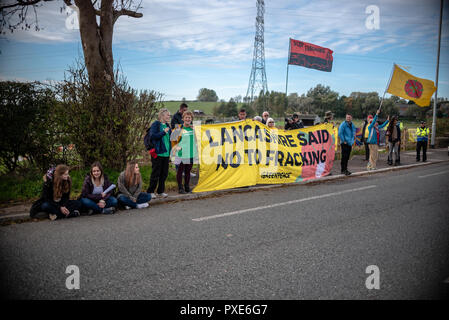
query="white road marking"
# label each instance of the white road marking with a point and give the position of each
(221, 215)
(434, 174)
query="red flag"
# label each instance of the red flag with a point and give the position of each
(310, 56)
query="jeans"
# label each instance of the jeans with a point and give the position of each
(90, 204)
(142, 198)
(53, 208)
(393, 148)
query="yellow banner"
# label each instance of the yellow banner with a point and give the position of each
(246, 153)
(407, 86)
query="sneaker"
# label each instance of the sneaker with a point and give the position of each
(73, 214)
(52, 217)
(192, 175)
(109, 210)
(127, 208)
(142, 205)
(187, 189)
(163, 195)
(153, 195)
(181, 190)
(348, 173)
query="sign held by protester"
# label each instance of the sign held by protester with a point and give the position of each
(246, 153)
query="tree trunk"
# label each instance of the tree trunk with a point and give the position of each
(97, 41)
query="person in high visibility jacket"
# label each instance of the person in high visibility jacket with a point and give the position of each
(422, 138)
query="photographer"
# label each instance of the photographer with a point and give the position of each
(294, 123)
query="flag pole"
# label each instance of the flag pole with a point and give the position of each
(288, 60)
(434, 125)
(388, 84)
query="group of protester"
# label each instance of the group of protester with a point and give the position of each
(371, 139)
(174, 137)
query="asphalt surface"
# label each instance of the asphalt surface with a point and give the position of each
(295, 242)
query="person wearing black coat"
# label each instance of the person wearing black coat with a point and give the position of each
(55, 198)
(177, 117)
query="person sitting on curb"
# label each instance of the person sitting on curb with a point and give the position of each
(373, 141)
(55, 199)
(130, 188)
(93, 196)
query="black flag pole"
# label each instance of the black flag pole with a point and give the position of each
(288, 60)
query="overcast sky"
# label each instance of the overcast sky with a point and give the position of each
(179, 47)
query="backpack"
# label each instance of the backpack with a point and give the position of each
(147, 140)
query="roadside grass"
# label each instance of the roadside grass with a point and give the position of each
(26, 185)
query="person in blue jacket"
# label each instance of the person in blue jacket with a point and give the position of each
(346, 134)
(160, 137)
(373, 141)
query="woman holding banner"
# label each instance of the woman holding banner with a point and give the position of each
(160, 137)
(186, 152)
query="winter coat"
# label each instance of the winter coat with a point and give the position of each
(88, 188)
(176, 119)
(157, 134)
(373, 135)
(131, 191)
(346, 133)
(47, 195)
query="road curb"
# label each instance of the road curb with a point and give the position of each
(25, 217)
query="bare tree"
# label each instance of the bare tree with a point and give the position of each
(96, 37)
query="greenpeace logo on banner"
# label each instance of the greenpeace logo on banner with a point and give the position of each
(246, 153)
(310, 56)
(276, 175)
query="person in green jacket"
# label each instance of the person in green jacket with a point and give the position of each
(186, 152)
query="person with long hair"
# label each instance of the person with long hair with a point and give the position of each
(93, 195)
(130, 188)
(394, 139)
(56, 194)
(160, 137)
(186, 152)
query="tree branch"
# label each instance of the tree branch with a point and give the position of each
(125, 12)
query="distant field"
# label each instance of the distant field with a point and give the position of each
(206, 107)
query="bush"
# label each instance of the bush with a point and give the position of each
(28, 127)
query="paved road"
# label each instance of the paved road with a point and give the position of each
(296, 242)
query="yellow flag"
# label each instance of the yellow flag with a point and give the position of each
(407, 86)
